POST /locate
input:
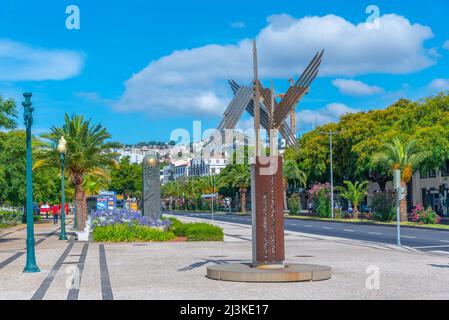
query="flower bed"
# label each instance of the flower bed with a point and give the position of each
(425, 216)
(128, 226)
(125, 216)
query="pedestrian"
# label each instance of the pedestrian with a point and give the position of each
(310, 206)
(55, 211)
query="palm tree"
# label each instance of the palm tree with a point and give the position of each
(405, 157)
(211, 184)
(85, 156)
(92, 185)
(239, 177)
(171, 189)
(354, 193)
(293, 177)
(192, 191)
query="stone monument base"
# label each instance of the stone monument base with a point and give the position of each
(242, 272)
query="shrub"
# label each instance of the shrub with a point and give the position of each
(383, 206)
(202, 232)
(323, 203)
(425, 216)
(10, 218)
(338, 213)
(130, 233)
(177, 227)
(294, 204)
(320, 194)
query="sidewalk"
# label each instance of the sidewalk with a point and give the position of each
(177, 270)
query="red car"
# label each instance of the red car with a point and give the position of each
(44, 209)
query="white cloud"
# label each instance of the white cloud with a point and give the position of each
(238, 25)
(20, 62)
(356, 88)
(331, 113)
(191, 81)
(439, 85)
(446, 45)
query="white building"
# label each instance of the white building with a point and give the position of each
(200, 167)
(136, 154)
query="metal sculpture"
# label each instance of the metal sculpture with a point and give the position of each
(277, 120)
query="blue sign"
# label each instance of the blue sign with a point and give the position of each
(106, 200)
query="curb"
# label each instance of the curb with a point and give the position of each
(371, 224)
(342, 222)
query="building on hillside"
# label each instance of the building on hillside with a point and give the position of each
(181, 170)
(200, 167)
(168, 173)
(136, 154)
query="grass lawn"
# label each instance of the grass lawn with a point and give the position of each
(405, 224)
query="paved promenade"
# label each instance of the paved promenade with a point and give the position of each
(77, 270)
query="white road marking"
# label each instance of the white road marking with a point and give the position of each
(327, 228)
(445, 241)
(293, 224)
(348, 230)
(438, 251)
(308, 226)
(376, 233)
(408, 237)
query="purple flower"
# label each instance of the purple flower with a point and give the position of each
(124, 216)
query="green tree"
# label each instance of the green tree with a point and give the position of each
(239, 176)
(405, 157)
(86, 155)
(46, 182)
(8, 113)
(293, 178)
(354, 193)
(126, 178)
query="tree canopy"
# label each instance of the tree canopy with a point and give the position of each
(365, 134)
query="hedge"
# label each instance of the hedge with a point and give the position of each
(198, 231)
(127, 233)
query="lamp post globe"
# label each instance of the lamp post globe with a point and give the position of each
(62, 149)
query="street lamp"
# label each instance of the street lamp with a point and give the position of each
(31, 265)
(331, 133)
(62, 149)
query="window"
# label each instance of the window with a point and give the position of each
(432, 173)
(445, 169)
(423, 174)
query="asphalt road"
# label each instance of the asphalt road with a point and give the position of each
(420, 239)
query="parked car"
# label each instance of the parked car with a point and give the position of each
(45, 209)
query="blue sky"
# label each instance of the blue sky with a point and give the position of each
(144, 68)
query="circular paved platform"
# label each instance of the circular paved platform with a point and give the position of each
(241, 272)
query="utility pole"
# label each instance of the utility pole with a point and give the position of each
(330, 134)
(213, 194)
(399, 195)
